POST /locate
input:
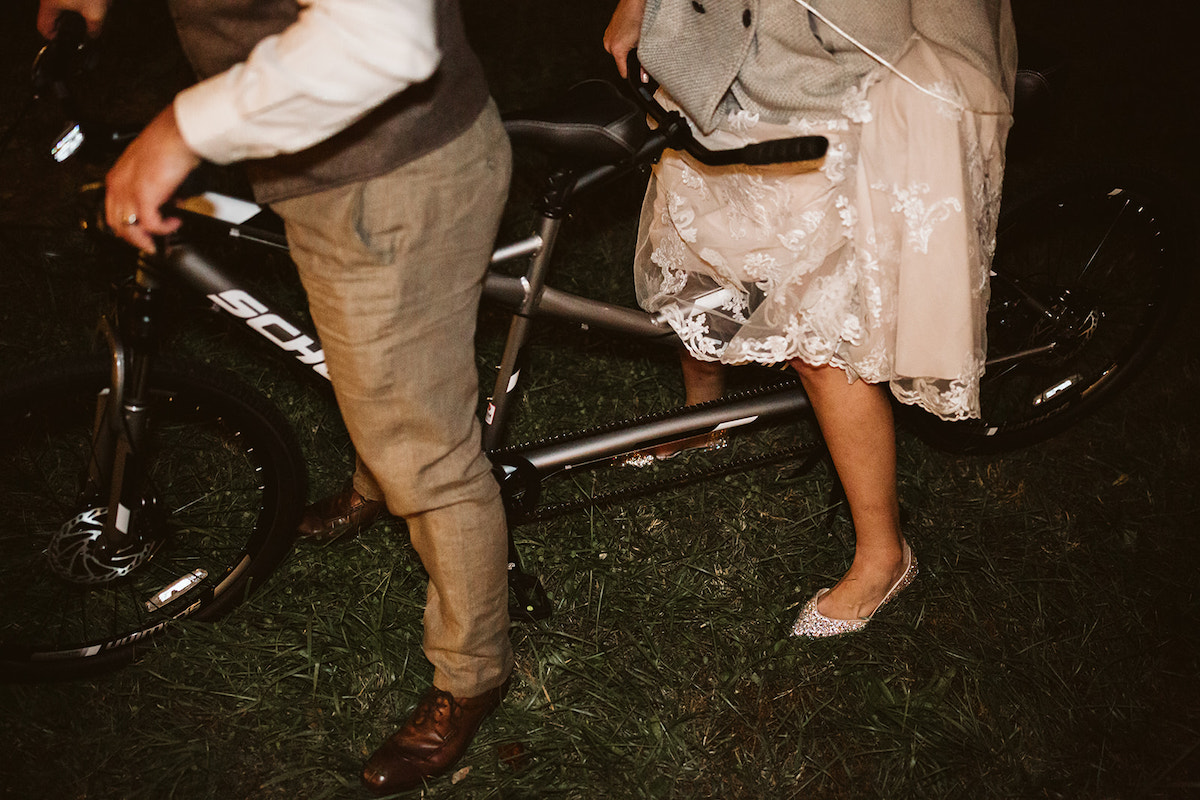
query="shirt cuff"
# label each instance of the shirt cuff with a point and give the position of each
(207, 120)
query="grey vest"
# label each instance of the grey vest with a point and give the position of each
(217, 34)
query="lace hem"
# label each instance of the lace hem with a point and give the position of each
(856, 265)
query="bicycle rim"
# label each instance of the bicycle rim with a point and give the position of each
(228, 484)
(1085, 280)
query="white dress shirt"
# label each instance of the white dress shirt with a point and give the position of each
(338, 61)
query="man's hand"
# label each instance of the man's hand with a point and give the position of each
(144, 179)
(623, 32)
(92, 11)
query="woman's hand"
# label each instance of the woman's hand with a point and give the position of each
(144, 179)
(623, 32)
(93, 12)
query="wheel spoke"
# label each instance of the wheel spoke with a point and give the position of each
(227, 485)
(1082, 288)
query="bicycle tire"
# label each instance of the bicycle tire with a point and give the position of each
(1085, 281)
(226, 468)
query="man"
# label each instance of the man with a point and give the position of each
(367, 125)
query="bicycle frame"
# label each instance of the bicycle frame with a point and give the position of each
(529, 299)
(520, 469)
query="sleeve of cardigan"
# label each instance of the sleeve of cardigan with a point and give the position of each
(981, 31)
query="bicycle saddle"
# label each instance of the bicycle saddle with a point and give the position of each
(590, 123)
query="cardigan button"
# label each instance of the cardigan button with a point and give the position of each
(746, 18)
(699, 8)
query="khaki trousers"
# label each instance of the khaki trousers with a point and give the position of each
(393, 268)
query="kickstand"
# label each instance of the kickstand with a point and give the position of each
(530, 602)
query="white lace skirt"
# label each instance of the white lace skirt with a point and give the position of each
(877, 262)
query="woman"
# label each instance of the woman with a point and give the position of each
(868, 271)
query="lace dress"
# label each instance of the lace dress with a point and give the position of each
(876, 263)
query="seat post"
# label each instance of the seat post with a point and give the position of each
(508, 372)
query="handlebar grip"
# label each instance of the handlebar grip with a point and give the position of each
(679, 135)
(71, 29)
(775, 151)
(59, 57)
(633, 74)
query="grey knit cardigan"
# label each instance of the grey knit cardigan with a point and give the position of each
(775, 58)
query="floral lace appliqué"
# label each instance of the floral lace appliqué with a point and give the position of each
(682, 216)
(921, 218)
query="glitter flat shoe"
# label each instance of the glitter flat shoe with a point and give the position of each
(814, 625)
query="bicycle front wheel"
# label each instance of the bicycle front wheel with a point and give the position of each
(228, 485)
(1084, 282)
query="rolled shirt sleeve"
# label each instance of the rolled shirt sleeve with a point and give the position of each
(339, 60)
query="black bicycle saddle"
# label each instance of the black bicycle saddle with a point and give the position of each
(590, 123)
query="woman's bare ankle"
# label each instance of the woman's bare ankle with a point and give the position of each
(860, 591)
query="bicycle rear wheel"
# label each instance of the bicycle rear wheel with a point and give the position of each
(228, 484)
(1085, 279)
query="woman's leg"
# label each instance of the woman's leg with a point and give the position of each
(702, 380)
(856, 421)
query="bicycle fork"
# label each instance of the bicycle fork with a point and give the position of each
(113, 532)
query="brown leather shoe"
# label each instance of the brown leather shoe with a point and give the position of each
(431, 742)
(343, 514)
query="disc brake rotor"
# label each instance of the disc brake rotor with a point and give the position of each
(78, 552)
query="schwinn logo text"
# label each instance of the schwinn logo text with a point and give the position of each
(275, 328)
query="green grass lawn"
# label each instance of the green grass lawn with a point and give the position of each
(1048, 649)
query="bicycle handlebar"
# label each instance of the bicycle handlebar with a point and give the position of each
(59, 60)
(679, 135)
(60, 56)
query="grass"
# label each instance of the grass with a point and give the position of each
(1048, 649)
